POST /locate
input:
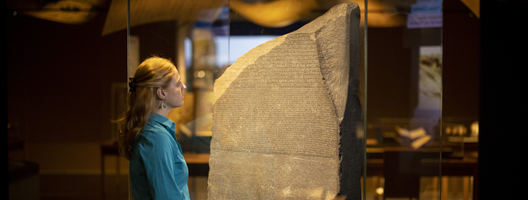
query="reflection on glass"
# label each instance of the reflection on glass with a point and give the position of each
(404, 98)
(407, 116)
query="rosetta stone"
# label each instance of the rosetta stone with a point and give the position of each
(286, 115)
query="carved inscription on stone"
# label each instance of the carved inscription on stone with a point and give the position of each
(278, 112)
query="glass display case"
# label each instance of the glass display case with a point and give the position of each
(417, 70)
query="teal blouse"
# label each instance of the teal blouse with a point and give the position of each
(157, 167)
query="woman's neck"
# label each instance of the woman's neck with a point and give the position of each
(163, 112)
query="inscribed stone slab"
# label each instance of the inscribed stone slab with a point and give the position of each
(279, 113)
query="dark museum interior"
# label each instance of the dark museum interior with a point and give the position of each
(68, 62)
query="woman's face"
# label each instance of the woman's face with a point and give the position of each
(174, 92)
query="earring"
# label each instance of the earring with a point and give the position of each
(164, 104)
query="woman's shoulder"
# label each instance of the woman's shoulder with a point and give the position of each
(150, 144)
(153, 126)
(154, 135)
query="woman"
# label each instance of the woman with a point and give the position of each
(157, 167)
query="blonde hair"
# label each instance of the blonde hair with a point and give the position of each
(142, 100)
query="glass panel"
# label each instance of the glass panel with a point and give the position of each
(415, 122)
(405, 60)
(64, 83)
(419, 138)
(203, 51)
(194, 36)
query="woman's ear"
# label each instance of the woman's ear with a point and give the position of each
(160, 93)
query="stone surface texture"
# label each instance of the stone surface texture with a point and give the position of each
(282, 114)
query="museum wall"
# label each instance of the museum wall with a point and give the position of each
(461, 75)
(59, 80)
